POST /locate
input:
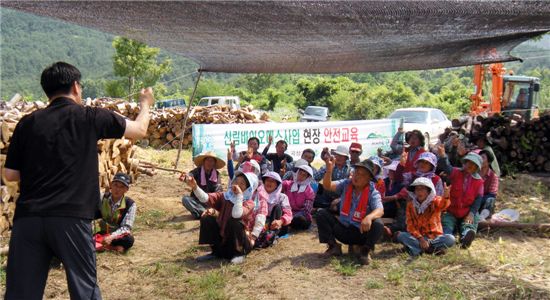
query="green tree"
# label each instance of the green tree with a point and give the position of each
(138, 64)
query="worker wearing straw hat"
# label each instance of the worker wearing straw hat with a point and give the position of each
(207, 176)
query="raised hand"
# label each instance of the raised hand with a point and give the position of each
(441, 150)
(446, 190)
(329, 161)
(403, 158)
(283, 167)
(461, 149)
(190, 181)
(146, 97)
(236, 189)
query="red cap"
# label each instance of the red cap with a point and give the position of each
(356, 147)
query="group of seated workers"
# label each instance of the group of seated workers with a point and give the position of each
(433, 198)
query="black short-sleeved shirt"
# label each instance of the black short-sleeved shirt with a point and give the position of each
(55, 151)
(276, 160)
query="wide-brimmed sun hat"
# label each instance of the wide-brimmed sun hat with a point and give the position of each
(199, 159)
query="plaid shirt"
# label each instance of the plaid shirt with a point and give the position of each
(490, 183)
(337, 173)
(427, 224)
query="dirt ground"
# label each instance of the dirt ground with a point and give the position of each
(161, 265)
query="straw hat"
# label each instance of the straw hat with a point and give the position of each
(199, 159)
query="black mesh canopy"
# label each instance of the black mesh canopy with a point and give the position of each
(314, 36)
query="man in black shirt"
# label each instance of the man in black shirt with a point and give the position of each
(53, 154)
(279, 159)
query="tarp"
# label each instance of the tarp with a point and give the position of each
(371, 134)
(314, 36)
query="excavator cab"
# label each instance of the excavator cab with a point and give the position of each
(520, 96)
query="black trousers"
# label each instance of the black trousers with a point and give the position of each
(234, 243)
(330, 230)
(35, 240)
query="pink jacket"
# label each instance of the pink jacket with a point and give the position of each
(301, 203)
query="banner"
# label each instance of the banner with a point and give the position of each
(371, 134)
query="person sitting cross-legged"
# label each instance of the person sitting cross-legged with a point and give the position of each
(424, 230)
(359, 224)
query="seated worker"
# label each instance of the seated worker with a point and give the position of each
(279, 212)
(115, 215)
(300, 197)
(359, 224)
(308, 155)
(251, 154)
(247, 166)
(416, 142)
(455, 147)
(341, 170)
(379, 184)
(208, 177)
(223, 223)
(482, 143)
(425, 166)
(490, 186)
(279, 158)
(392, 188)
(355, 151)
(424, 230)
(466, 196)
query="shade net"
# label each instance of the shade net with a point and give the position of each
(314, 36)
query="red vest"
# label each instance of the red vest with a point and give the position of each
(409, 166)
(461, 199)
(361, 209)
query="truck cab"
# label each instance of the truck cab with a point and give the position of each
(520, 96)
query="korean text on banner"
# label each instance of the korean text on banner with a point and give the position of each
(371, 134)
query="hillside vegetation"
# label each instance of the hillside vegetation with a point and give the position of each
(30, 43)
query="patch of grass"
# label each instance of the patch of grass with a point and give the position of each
(395, 275)
(163, 270)
(191, 251)
(152, 219)
(176, 225)
(233, 270)
(437, 289)
(2, 277)
(521, 290)
(345, 266)
(373, 284)
(209, 286)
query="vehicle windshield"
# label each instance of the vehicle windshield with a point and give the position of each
(170, 103)
(203, 102)
(315, 111)
(516, 95)
(410, 116)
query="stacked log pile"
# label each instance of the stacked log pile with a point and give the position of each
(116, 155)
(523, 145)
(113, 155)
(166, 125)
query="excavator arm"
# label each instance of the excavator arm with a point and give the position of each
(479, 106)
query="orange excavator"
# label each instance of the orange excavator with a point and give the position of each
(508, 95)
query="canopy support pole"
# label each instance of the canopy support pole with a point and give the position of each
(187, 117)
